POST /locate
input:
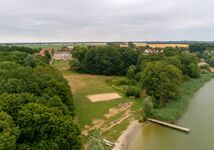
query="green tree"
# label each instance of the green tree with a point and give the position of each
(74, 65)
(46, 128)
(171, 51)
(9, 133)
(30, 61)
(133, 91)
(173, 60)
(131, 45)
(48, 55)
(108, 60)
(162, 81)
(143, 59)
(131, 72)
(12, 103)
(79, 52)
(189, 65)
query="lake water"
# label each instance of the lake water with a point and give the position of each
(199, 118)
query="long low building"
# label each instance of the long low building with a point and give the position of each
(62, 55)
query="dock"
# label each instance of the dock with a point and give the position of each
(170, 125)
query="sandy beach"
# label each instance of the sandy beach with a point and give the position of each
(123, 141)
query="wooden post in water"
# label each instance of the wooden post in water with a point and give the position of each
(169, 125)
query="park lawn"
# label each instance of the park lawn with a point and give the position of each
(83, 85)
(94, 84)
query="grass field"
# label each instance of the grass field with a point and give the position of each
(58, 46)
(162, 45)
(83, 85)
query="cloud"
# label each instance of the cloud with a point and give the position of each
(105, 20)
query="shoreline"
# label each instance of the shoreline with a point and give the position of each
(127, 135)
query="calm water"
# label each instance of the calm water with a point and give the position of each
(199, 118)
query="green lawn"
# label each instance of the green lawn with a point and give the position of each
(90, 84)
(83, 85)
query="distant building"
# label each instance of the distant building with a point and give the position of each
(62, 55)
(42, 51)
(124, 45)
(150, 51)
(70, 47)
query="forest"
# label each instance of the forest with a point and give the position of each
(36, 106)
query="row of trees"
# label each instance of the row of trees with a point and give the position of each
(107, 60)
(36, 107)
(20, 49)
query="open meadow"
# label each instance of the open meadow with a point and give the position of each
(162, 45)
(111, 117)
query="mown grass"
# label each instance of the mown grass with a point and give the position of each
(86, 110)
(83, 85)
(173, 110)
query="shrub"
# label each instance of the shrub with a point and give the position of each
(133, 91)
(118, 82)
(147, 107)
(204, 71)
(74, 64)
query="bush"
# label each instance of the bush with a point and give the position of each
(118, 82)
(205, 67)
(147, 107)
(133, 91)
(204, 71)
(74, 64)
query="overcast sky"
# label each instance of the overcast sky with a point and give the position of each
(105, 20)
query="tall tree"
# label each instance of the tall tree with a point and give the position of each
(162, 81)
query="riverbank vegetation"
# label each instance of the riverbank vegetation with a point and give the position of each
(173, 110)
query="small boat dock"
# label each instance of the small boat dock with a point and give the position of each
(170, 125)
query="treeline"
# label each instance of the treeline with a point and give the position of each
(204, 51)
(106, 60)
(19, 48)
(160, 74)
(201, 47)
(36, 107)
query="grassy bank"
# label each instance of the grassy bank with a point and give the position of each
(172, 111)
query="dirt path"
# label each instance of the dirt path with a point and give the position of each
(104, 124)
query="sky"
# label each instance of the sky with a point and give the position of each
(105, 20)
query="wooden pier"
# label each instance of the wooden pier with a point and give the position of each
(169, 125)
